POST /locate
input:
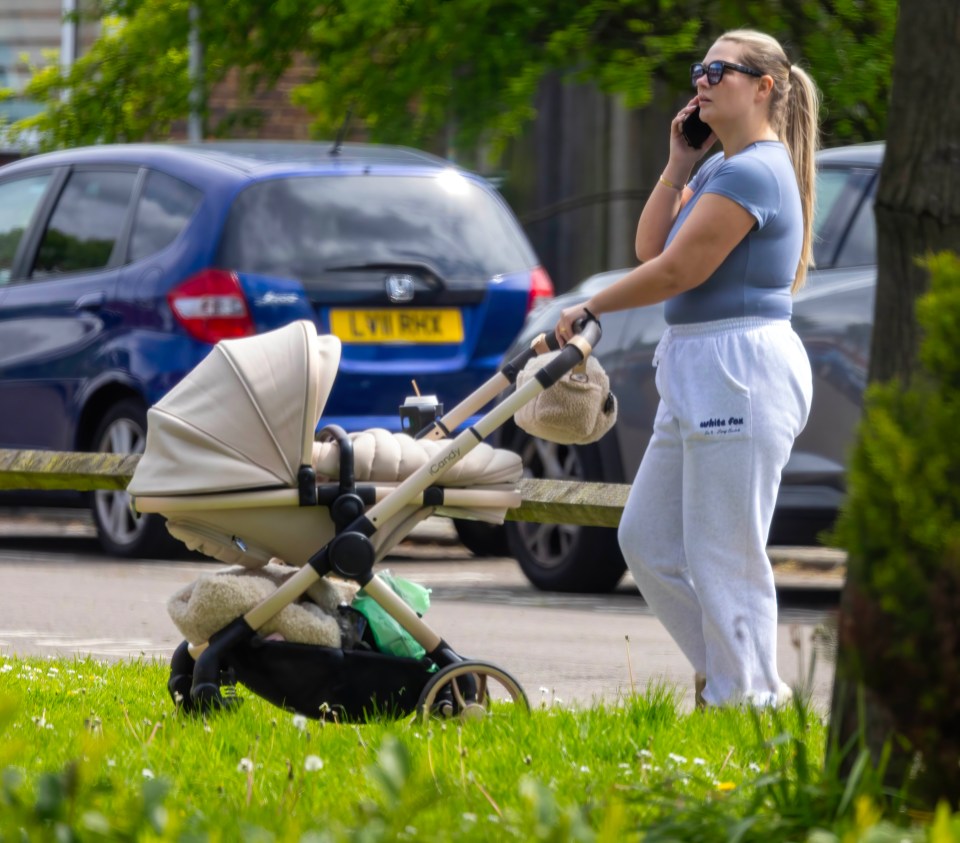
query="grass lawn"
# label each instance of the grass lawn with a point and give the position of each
(96, 751)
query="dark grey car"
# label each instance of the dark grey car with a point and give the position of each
(833, 314)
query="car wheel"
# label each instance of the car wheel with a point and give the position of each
(123, 430)
(564, 557)
(482, 539)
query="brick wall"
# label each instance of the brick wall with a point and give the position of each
(279, 119)
(264, 115)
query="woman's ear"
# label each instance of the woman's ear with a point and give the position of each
(765, 86)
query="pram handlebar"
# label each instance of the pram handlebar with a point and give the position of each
(574, 352)
(553, 344)
(587, 333)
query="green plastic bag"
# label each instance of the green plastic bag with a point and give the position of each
(390, 637)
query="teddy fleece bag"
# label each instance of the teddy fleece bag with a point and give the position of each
(577, 410)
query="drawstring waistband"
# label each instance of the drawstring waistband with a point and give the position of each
(724, 326)
(716, 328)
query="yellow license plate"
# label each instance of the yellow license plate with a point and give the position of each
(438, 325)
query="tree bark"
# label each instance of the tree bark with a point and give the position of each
(917, 213)
(918, 202)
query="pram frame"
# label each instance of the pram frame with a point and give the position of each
(415, 485)
(350, 553)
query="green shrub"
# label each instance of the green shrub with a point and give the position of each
(900, 624)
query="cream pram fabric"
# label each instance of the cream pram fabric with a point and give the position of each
(225, 446)
(244, 418)
(382, 456)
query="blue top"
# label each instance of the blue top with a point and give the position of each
(756, 277)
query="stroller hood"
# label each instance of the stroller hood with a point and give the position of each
(244, 418)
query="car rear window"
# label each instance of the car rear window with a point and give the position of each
(307, 227)
(165, 207)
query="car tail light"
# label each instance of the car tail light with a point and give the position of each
(541, 287)
(211, 306)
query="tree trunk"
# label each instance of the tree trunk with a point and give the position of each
(918, 213)
(918, 204)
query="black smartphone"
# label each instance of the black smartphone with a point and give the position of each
(694, 130)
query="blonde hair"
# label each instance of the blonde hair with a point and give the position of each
(794, 116)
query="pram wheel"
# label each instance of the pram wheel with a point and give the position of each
(208, 697)
(204, 696)
(464, 690)
(181, 677)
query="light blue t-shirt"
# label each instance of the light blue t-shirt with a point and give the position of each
(756, 277)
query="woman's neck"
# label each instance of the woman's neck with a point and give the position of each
(740, 137)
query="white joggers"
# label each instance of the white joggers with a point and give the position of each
(734, 395)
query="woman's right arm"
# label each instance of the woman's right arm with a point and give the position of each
(670, 193)
(659, 213)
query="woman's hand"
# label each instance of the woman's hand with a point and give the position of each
(682, 155)
(570, 315)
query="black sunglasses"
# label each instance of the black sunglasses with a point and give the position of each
(714, 71)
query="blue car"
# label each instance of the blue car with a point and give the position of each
(121, 265)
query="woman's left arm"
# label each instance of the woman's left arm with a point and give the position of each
(713, 229)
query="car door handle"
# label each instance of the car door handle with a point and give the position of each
(90, 301)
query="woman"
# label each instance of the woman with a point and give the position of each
(726, 251)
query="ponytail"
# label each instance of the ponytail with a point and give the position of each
(800, 134)
(795, 117)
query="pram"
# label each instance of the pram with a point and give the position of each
(234, 463)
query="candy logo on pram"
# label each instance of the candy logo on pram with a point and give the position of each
(451, 457)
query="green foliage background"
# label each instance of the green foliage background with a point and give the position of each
(421, 72)
(901, 528)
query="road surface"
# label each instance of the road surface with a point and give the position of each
(60, 596)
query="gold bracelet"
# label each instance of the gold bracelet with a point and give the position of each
(671, 185)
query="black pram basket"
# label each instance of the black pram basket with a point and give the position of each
(320, 682)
